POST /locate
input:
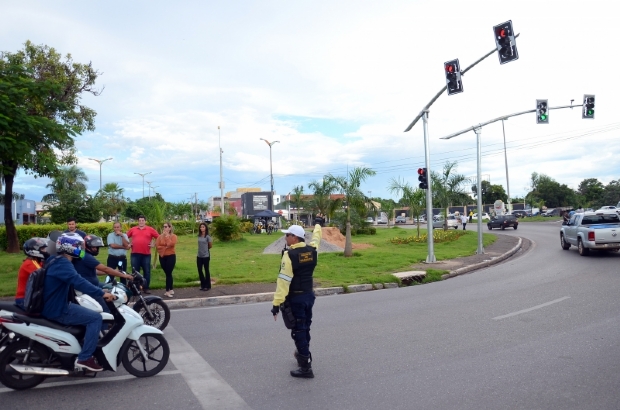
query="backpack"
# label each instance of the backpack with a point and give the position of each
(33, 300)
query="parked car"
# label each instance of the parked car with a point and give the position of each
(503, 222)
(552, 212)
(400, 220)
(452, 222)
(606, 208)
(369, 219)
(520, 213)
(484, 216)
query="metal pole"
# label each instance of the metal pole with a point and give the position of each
(100, 162)
(271, 173)
(480, 249)
(221, 173)
(142, 175)
(430, 258)
(506, 160)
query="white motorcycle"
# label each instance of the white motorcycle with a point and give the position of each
(43, 348)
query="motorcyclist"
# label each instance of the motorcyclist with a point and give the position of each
(59, 276)
(89, 267)
(36, 253)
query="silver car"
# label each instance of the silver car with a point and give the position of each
(452, 222)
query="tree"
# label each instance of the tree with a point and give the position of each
(321, 195)
(448, 188)
(112, 200)
(388, 206)
(349, 186)
(611, 195)
(69, 197)
(592, 190)
(297, 200)
(414, 198)
(40, 114)
(550, 191)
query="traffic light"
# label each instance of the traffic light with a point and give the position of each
(423, 178)
(452, 69)
(505, 42)
(542, 112)
(588, 107)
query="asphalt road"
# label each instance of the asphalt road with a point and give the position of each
(539, 331)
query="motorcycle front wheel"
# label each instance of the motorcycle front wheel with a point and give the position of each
(160, 311)
(157, 351)
(15, 353)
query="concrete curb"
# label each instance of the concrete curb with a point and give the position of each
(267, 297)
(483, 264)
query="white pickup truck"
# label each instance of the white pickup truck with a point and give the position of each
(591, 230)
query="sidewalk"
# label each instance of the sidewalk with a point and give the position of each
(504, 247)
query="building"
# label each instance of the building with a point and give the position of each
(23, 211)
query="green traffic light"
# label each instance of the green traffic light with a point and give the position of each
(543, 117)
(590, 112)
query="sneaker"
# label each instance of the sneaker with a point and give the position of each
(171, 292)
(89, 364)
(167, 294)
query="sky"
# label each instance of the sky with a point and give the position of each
(336, 83)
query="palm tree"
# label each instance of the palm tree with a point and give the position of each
(415, 198)
(298, 200)
(112, 196)
(67, 179)
(321, 196)
(349, 186)
(448, 187)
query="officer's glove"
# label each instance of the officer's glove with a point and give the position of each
(275, 310)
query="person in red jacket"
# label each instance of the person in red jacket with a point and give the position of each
(142, 240)
(36, 253)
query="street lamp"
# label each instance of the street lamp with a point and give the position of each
(270, 168)
(142, 175)
(100, 162)
(151, 187)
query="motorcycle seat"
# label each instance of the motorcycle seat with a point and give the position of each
(76, 330)
(12, 307)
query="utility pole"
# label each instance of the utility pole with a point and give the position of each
(100, 162)
(149, 183)
(221, 173)
(142, 175)
(270, 168)
(506, 160)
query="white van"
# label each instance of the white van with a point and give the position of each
(382, 218)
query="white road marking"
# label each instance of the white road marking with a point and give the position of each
(207, 385)
(530, 309)
(74, 382)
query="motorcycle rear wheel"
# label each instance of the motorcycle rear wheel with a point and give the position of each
(15, 354)
(161, 314)
(157, 350)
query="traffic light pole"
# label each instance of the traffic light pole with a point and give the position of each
(432, 101)
(478, 130)
(430, 258)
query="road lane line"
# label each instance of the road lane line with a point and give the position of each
(207, 385)
(530, 309)
(74, 382)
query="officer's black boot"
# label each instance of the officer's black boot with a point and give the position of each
(305, 367)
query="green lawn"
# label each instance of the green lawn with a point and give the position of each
(539, 218)
(243, 261)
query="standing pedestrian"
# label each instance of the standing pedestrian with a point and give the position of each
(72, 227)
(471, 215)
(294, 287)
(205, 243)
(118, 243)
(464, 220)
(142, 238)
(167, 256)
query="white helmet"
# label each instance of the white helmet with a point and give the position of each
(121, 296)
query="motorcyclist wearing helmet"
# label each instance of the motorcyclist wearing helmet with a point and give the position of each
(59, 276)
(89, 267)
(36, 254)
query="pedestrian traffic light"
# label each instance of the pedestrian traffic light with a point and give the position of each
(588, 107)
(423, 178)
(505, 42)
(542, 112)
(453, 77)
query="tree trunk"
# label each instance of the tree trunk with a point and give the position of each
(11, 232)
(348, 245)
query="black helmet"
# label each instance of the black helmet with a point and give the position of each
(36, 248)
(93, 243)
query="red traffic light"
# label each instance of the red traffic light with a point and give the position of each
(450, 68)
(502, 32)
(421, 171)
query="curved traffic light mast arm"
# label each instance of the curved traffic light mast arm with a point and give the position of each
(503, 117)
(431, 102)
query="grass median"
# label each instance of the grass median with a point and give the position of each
(244, 262)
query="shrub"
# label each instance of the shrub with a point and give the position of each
(438, 236)
(226, 228)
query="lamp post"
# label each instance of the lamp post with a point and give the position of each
(219, 141)
(100, 162)
(142, 175)
(270, 168)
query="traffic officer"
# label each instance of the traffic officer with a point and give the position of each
(294, 284)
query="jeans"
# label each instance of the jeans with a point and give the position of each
(205, 279)
(301, 305)
(141, 260)
(167, 264)
(113, 264)
(78, 315)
